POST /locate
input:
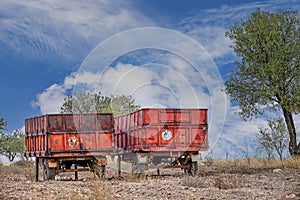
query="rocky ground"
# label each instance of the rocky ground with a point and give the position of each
(212, 182)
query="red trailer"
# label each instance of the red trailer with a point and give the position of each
(59, 141)
(150, 136)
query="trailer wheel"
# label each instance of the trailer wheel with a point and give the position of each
(194, 168)
(97, 169)
(49, 173)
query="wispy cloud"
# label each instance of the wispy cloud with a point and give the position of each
(62, 28)
(208, 26)
(52, 98)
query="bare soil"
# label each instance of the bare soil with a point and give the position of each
(211, 182)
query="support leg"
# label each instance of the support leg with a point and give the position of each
(36, 169)
(44, 170)
(119, 165)
(76, 172)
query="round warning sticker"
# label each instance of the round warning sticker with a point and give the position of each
(72, 141)
(166, 135)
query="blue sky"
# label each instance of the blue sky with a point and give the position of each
(44, 43)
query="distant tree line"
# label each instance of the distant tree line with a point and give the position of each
(96, 102)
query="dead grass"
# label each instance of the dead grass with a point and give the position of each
(23, 163)
(255, 162)
(128, 177)
(293, 162)
(221, 181)
(101, 191)
(196, 182)
(17, 173)
(227, 181)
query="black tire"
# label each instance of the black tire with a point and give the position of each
(99, 170)
(194, 168)
(51, 173)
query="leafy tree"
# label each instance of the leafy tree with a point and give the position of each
(267, 77)
(274, 137)
(91, 102)
(3, 124)
(12, 144)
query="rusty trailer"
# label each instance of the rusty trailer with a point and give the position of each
(155, 135)
(62, 142)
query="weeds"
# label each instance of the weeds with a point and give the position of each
(229, 182)
(101, 191)
(196, 182)
(23, 163)
(255, 162)
(208, 159)
(17, 171)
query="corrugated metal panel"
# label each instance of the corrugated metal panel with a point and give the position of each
(162, 130)
(61, 133)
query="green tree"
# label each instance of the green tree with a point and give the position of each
(12, 144)
(272, 138)
(91, 102)
(3, 124)
(267, 77)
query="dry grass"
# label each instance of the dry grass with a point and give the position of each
(23, 163)
(226, 182)
(18, 171)
(221, 181)
(255, 162)
(232, 173)
(22, 171)
(100, 191)
(196, 182)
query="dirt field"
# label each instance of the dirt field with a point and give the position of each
(211, 182)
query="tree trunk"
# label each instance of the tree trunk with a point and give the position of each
(11, 158)
(292, 132)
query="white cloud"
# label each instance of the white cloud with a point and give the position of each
(86, 78)
(150, 84)
(50, 100)
(156, 84)
(63, 28)
(217, 45)
(124, 79)
(208, 26)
